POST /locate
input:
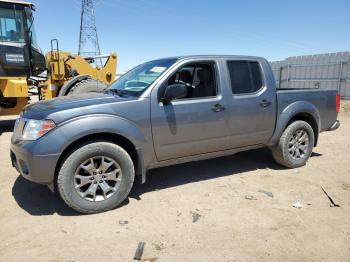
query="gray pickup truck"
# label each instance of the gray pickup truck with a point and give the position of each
(91, 147)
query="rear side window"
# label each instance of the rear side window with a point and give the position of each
(245, 76)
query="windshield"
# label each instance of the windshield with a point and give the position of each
(11, 25)
(137, 80)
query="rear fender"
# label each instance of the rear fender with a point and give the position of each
(291, 111)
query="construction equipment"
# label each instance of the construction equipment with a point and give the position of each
(20, 56)
(72, 74)
(23, 65)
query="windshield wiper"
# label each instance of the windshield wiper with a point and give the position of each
(119, 92)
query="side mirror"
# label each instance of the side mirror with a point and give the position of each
(174, 92)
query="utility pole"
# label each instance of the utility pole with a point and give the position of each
(88, 39)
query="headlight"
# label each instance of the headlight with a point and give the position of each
(34, 129)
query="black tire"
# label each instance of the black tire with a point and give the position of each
(87, 86)
(66, 179)
(283, 151)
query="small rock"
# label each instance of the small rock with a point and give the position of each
(270, 194)
(64, 231)
(250, 197)
(123, 222)
(195, 216)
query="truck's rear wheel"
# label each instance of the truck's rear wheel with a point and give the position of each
(87, 86)
(295, 145)
(96, 177)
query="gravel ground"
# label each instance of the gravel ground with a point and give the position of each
(236, 208)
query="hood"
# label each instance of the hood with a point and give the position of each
(42, 109)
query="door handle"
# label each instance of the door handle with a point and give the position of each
(265, 103)
(218, 108)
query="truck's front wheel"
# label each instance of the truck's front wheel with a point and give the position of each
(96, 177)
(295, 145)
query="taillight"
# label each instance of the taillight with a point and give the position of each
(337, 102)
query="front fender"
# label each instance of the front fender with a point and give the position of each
(284, 116)
(57, 140)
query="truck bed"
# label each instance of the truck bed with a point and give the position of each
(324, 100)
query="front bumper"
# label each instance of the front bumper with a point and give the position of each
(37, 168)
(335, 126)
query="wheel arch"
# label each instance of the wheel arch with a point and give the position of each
(300, 110)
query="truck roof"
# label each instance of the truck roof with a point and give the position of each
(17, 2)
(216, 56)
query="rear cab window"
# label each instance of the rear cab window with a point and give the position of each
(245, 76)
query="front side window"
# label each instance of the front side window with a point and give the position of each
(245, 77)
(11, 25)
(137, 80)
(198, 78)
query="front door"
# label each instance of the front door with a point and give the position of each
(195, 124)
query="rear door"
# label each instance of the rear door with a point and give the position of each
(252, 107)
(195, 124)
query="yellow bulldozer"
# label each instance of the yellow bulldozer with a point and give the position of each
(23, 65)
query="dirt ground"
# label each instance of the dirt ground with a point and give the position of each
(236, 208)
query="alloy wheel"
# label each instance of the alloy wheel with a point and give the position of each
(298, 144)
(97, 178)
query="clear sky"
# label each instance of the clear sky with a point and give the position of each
(141, 30)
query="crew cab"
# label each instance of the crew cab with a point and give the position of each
(91, 147)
